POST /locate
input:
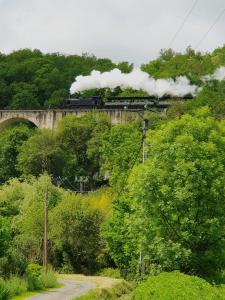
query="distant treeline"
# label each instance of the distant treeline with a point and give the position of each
(31, 79)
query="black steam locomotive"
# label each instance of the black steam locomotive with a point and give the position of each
(123, 102)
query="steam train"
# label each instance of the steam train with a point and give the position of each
(130, 103)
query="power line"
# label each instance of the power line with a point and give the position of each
(210, 28)
(182, 24)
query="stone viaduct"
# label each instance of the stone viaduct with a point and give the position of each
(50, 118)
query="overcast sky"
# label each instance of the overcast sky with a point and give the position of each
(133, 30)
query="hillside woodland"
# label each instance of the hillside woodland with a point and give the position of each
(145, 220)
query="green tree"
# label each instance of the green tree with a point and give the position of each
(175, 214)
(24, 96)
(125, 67)
(56, 99)
(13, 260)
(10, 141)
(4, 236)
(40, 153)
(29, 223)
(5, 243)
(4, 94)
(171, 65)
(76, 234)
(212, 95)
(120, 151)
(80, 139)
(51, 76)
(24, 100)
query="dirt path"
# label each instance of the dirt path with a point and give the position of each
(69, 290)
(74, 286)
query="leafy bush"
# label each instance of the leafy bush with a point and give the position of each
(37, 279)
(34, 278)
(4, 292)
(110, 272)
(175, 285)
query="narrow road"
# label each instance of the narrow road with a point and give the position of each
(70, 290)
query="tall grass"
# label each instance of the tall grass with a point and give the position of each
(4, 292)
(16, 286)
(121, 290)
(49, 279)
(110, 272)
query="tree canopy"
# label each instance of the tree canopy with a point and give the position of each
(30, 79)
(106, 207)
(173, 211)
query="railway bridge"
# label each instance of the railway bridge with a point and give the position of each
(50, 118)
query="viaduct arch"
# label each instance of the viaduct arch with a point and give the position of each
(50, 118)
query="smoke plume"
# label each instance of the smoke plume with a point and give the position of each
(137, 80)
(219, 75)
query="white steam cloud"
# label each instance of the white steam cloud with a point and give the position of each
(137, 80)
(218, 75)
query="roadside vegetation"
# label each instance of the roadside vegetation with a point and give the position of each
(159, 225)
(119, 290)
(34, 280)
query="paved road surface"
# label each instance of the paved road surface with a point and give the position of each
(70, 290)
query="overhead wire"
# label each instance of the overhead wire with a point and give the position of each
(183, 23)
(210, 28)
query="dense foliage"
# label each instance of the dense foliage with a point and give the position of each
(75, 242)
(173, 211)
(175, 285)
(192, 64)
(164, 215)
(31, 79)
(120, 151)
(10, 142)
(74, 150)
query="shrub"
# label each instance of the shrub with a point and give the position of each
(175, 285)
(4, 292)
(34, 280)
(120, 290)
(16, 286)
(110, 272)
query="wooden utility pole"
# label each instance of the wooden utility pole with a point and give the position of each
(145, 128)
(45, 250)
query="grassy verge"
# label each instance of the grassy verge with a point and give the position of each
(25, 296)
(20, 288)
(121, 290)
(106, 287)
